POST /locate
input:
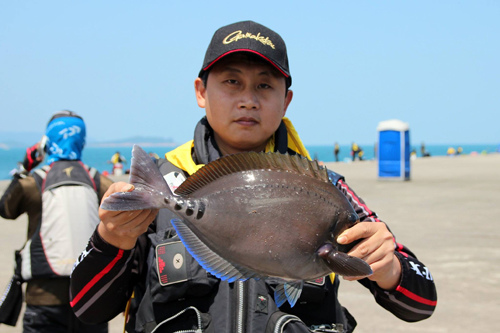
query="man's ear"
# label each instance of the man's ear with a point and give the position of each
(288, 99)
(200, 90)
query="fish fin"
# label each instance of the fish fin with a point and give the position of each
(207, 258)
(150, 186)
(288, 291)
(251, 161)
(279, 295)
(342, 263)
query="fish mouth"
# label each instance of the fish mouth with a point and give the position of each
(353, 218)
(344, 221)
(247, 121)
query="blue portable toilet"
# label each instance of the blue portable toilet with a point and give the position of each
(393, 150)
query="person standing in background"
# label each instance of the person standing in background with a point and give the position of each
(423, 151)
(360, 153)
(118, 158)
(61, 200)
(336, 151)
(354, 150)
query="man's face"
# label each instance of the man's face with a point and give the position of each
(244, 101)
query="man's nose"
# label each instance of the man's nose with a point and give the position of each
(249, 100)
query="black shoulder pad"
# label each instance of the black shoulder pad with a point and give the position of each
(334, 177)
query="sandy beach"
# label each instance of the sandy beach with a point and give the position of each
(446, 214)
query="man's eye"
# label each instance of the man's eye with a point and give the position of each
(264, 86)
(231, 81)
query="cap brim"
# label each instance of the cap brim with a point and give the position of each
(245, 50)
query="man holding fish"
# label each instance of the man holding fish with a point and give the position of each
(254, 234)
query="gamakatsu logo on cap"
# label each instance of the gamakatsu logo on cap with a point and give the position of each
(237, 35)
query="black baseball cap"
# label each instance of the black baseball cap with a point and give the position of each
(248, 36)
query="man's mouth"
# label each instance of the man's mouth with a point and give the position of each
(247, 121)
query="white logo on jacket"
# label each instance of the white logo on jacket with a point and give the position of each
(424, 272)
(80, 258)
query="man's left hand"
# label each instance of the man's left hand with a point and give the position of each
(377, 249)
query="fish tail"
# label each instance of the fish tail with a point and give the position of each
(342, 263)
(150, 188)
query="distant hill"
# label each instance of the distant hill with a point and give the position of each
(25, 139)
(19, 139)
(140, 140)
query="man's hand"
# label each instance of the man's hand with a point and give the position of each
(32, 158)
(121, 229)
(377, 249)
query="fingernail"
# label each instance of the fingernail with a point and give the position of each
(341, 239)
(129, 188)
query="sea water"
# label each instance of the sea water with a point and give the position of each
(325, 153)
(99, 157)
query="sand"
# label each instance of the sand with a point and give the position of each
(446, 214)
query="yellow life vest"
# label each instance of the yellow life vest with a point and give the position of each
(115, 158)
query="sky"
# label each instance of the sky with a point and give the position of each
(128, 67)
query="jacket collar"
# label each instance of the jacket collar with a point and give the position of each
(206, 149)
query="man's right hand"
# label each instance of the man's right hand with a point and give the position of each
(121, 229)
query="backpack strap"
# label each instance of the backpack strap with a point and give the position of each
(40, 175)
(67, 173)
(279, 320)
(95, 176)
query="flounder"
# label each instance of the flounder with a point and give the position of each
(253, 215)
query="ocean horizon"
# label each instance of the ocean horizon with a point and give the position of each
(99, 157)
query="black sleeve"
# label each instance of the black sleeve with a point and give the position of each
(415, 297)
(104, 184)
(12, 203)
(103, 279)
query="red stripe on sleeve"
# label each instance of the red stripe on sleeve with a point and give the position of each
(96, 278)
(399, 248)
(415, 297)
(367, 210)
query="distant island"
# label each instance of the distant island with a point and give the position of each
(26, 139)
(131, 143)
(136, 140)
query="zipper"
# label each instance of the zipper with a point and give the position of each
(240, 287)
